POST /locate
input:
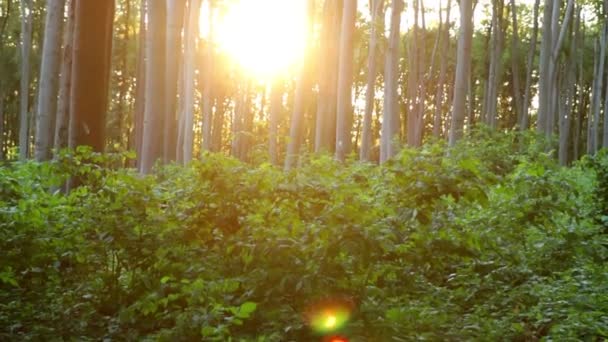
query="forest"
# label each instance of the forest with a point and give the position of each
(304, 170)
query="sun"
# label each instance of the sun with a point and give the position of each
(264, 37)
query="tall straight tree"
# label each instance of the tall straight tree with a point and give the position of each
(303, 90)
(389, 140)
(544, 81)
(187, 120)
(24, 89)
(90, 72)
(325, 126)
(63, 102)
(152, 140)
(440, 95)
(175, 24)
(462, 70)
(49, 79)
(370, 89)
(345, 79)
(529, 68)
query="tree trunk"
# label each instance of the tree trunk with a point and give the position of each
(345, 80)
(189, 62)
(440, 95)
(49, 79)
(325, 127)
(63, 103)
(462, 70)
(515, 60)
(370, 91)
(90, 72)
(303, 90)
(389, 143)
(525, 118)
(597, 92)
(276, 108)
(207, 84)
(175, 24)
(152, 142)
(140, 86)
(24, 90)
(544, 81)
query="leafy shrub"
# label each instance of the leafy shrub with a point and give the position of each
(484, 241)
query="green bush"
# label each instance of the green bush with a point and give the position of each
(485, 241)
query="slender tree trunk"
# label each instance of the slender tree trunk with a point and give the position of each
(515, 60)
(63, 103)
(325, 127)
(218, 123)
(440, 96)
(544, 82)
(189, 62)
(391, 117)
(303, 90)
(370, 91)
(24, 90)
(462, 70)
(413, 81)
(152, 142)
(49, 79)
(565, 120)
(276, 108)
(175, 24)
(90, 72)
(597, 92)
(207, 85)
(345, 80)
(525, 119)
(140, 86)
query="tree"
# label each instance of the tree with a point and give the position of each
(90, 72)
(175, 24)
(24, 90)
(325, 127)
(187, 117)
(370, 89)
(390, 118)
(462, 70)
(49, 79)
(152, 143)
(345, 79)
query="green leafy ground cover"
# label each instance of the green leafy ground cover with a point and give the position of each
(486, 242)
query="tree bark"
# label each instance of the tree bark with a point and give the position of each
(24, 89)
(597, 92)
(440, 95)
(175, 24)
(153, 140)
(90, 72)
(525, 118)
(276, 108)
(49, 79)
(345, 80)
(544, 82)
(515, 60)
(389, 143)
(189, 66)
(63, 103)
(325, 127)
(370, 91)
(462, 70)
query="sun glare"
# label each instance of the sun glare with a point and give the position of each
(264, 37)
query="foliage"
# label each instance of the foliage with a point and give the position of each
(484, 241)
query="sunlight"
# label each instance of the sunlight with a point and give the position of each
(265, 37)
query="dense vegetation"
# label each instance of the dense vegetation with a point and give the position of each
(487, 240)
